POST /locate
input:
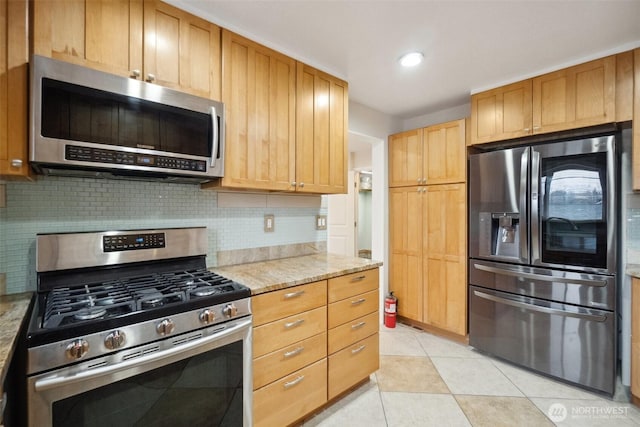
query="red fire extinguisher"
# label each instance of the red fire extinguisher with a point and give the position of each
(390, 304)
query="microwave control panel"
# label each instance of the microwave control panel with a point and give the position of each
(99, 155)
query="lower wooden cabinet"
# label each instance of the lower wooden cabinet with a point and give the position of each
(290, 398)
(635, 341)
(311, 343)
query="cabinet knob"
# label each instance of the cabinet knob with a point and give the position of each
(301, 184)
(135, 74)
(16, 163)
(527, 130)
(293, 183)
(151, 78)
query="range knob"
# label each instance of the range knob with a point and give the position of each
(165, 327)
(77, 348)
(230, 310)
(115, 340)
(207, 316)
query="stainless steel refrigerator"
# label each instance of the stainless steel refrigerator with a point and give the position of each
(542, 257)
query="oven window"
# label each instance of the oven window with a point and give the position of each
(573, 202)
(204, 390)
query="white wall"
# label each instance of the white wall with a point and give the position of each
(453, 113)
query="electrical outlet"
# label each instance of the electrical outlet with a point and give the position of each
(269, 223)
(321, 222)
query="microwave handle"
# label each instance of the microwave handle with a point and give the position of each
(215, 140)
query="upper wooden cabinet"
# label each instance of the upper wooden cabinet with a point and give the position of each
(259, 92)
(432, 155)
(579, 96)
(149, 40)
(636, 120)
(14, 76)
(321, 132)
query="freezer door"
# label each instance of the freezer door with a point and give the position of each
(571, 343)
(573, 199)
(498, 202)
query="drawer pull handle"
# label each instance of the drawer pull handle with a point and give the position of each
(358, 350)
(293, 352)
(293, 294)
(358, 301)
(357, 279)
(293, 324)
(294, 382)
(358, 325)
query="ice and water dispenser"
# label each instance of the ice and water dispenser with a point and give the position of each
(499, 234)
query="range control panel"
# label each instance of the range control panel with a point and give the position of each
(98, 155)
(132, 242)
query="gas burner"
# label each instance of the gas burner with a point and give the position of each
(90, 313)
(204, 291)
(150, 298)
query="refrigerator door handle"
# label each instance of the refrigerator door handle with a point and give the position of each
(535, 207)
(540, 277)
(531, 307)
(524, 172)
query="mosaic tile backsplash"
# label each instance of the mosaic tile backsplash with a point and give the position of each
(58, 204)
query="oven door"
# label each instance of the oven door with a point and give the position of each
(573, 205)
(199, 378)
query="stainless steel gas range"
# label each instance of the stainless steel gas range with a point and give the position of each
(130, 328)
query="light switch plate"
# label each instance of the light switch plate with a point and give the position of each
(321, 222)
(269, 223)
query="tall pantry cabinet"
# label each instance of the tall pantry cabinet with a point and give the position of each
(427, 210)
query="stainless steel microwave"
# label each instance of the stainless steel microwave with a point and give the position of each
(85, 122)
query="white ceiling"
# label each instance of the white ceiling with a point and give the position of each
(468, 45)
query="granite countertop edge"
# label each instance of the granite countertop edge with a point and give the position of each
(13, 312)
(273, 275)
(633, 270)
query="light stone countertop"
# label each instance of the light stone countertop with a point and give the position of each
(633, 270)
(277, 274)
(13, 309)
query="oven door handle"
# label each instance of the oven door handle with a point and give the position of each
(541, 277)
(54, 381)
(547, 310)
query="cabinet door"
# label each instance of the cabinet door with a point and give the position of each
(405, 229)
(181, 51)
(14, 73)
(501, 113)
(636, 120)
(445, 153)
(321, 132)
(445, 297)
(100, 34)
(405, 159)
(259, 94)
(575, 97)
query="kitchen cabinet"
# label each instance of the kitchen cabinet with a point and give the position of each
(146, 39)
(574, 97)
(353, 330)
(14, 77)
(289, 351)
(445, 257)
(427, 225)
(321, 132)
(259, 93)
(635, 341)
(311, 343)
(432, 155)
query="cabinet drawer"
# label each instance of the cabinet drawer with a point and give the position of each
(352, 284)
(350, 332)
(351, 308)
(279, 363)
(286, 400)
(353, 364)
(284, 332)
(276, 305)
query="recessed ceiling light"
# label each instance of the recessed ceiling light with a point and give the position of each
(411, 59)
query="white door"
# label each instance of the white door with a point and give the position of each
(341, 221)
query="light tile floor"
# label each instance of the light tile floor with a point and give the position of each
(425, 380)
